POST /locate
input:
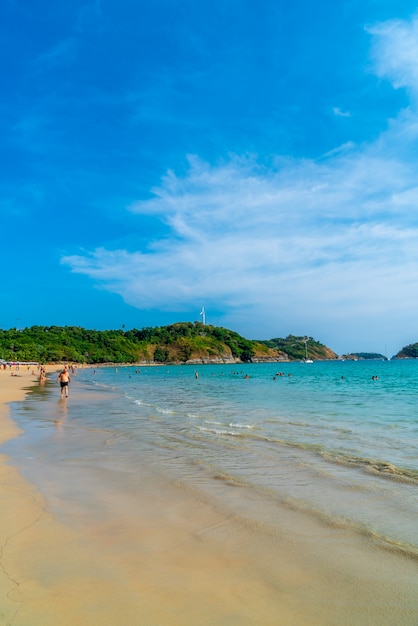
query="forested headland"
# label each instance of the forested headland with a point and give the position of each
(408, 352)
(182, 342)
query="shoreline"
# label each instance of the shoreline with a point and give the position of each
(161, 556)
(21, 504)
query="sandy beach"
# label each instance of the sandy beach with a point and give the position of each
(154, 554)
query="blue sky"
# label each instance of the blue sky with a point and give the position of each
(259, 159)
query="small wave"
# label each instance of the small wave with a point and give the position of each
(230, 480)
(142, 403)
(379, 468)
(216, 431)
(249, 426)
(102, 386)
(165, 411)
(383, 469)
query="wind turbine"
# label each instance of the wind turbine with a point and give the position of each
(203, 315)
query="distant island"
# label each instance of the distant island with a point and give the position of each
(364, 356)
(182, 342)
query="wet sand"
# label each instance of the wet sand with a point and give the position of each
(150, 552)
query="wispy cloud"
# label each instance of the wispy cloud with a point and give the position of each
(61, 54)
(339, 113)
(395, 52)
(298, 242)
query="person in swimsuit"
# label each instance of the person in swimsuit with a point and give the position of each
(64, 379)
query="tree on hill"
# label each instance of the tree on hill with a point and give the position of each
(176, 342)
(294, 347)
(408, 352)
(180, 342)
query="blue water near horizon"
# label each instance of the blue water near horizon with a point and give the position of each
(325, 437)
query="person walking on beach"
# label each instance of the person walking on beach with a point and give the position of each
(64, 379)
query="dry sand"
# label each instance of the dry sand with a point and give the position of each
(165, 559)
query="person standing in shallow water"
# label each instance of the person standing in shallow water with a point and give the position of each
(64, 379)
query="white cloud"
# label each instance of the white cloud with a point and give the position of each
(304, 246)
(319, 238)
(395, 52)
(339, 113)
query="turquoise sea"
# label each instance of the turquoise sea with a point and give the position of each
(336, 440)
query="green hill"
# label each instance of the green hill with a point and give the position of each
(408, 352)
(177, 343)
(294, 347)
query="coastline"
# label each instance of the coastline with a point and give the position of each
(20, 503)
(160, 556)
(22, 506)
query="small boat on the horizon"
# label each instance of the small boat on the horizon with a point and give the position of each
(306, 359)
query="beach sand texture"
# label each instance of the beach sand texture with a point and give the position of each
(160, 556)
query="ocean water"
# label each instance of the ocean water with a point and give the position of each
(325, 438)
